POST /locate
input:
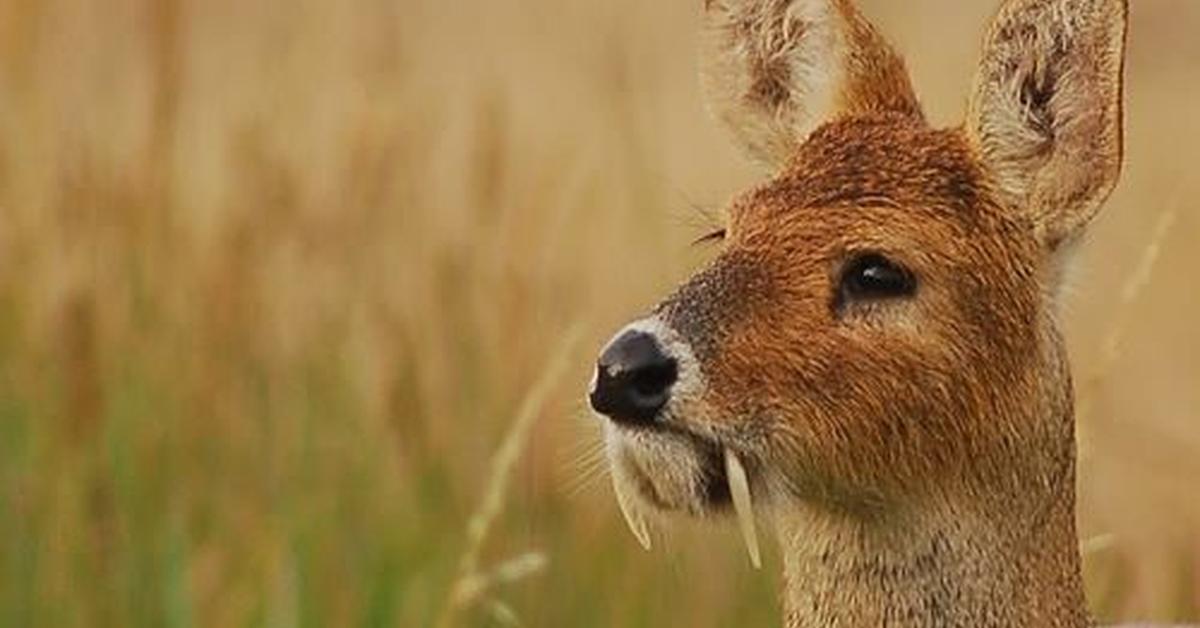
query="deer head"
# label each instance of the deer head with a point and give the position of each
(872, 359)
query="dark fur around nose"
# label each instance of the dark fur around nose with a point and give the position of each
(633, 379)
(704, 309)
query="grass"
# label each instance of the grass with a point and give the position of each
(277, 278)
(473, 582)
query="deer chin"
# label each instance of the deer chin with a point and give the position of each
(662, 471)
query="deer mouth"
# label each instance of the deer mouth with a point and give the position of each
(663, 471)
(664, 456)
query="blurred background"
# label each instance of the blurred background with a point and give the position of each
(279, 278)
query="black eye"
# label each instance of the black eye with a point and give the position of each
(874, 277)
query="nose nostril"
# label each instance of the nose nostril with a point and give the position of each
(633, 379)
(654, 380)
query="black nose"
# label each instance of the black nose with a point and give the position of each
(633, 379)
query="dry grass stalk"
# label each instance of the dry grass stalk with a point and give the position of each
(1130, 291)
(472, 583)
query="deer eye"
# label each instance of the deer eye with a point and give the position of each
(873, 277)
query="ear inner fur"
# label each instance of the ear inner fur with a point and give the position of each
(777, 69)
(1046, 114)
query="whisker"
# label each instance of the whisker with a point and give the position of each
(587, 482)
(584, 463)
(586, 469)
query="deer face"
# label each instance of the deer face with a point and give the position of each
(879, 321)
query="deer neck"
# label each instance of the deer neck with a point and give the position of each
(1008, 559)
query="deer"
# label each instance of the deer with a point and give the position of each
(872, 362)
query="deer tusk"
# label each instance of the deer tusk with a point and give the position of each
(633, 515)
(739, 490)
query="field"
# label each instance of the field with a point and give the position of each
(279, 278)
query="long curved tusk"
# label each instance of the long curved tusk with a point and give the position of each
(633, 516)
(739, 489)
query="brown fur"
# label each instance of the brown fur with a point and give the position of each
(917, 453)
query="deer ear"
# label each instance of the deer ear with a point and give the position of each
(1046, 111)
(774, 70)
